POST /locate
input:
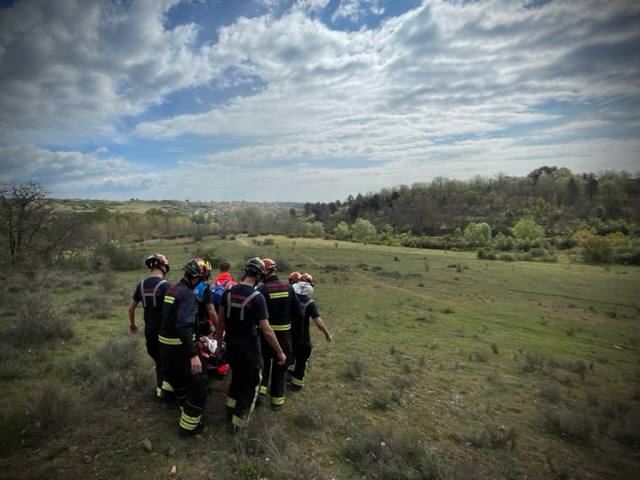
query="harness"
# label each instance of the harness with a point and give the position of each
(239, 305)
(146, 295)
(303, 307)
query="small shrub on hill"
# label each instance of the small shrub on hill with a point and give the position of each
(597, 250)
(49, 409)
(38, 320)
(574, 425)
(355, 369)
(396, 454)
(494, 437)
(112, 255)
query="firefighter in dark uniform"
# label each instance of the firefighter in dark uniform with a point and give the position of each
(206, 312)
(300, 332)
(150, 292)
(243, 315)
(178, 349)
(282, 305)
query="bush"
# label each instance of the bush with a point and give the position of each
(355, 369)
(396, 454)
(50, 409)
(38, 320)
(626, 432)
(597, 250)
(210, 255)
(111, 255)
(493, 436)
(576, 426)
(486, 254)
(506, 257)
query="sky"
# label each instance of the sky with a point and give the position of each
(311, 100)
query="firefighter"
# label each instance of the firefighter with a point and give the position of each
(206, 312)
(150, 292)
(301, 336)
(282, 305)
(243, 315)
(178, 349)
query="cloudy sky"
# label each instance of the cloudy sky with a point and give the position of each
(311, 100)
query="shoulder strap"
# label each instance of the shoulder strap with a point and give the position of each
(155, 290)
(304, 306)
(240, 305)
(146, 295)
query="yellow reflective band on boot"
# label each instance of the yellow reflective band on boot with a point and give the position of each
(158, 392)
(230, 402)
(169, 299)
(188, 422)
(281, 328)
(167, 386)
(278, 295)
(277, 401)
(291, 367)
(263, 390)
(297, 382)
(169, 341)
(239, 421)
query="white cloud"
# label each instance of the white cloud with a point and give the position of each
(449, 88)
(435, 74)
(70, 68)
(65, 172)
(356, 9)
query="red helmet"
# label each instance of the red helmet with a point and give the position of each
(157, 261)
(269, 265)
(294, 277)
(305, 277)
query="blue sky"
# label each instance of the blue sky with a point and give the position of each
(311, 100)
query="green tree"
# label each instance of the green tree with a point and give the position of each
(342, 231)
(25, 210)
(527, 229)
(477, 234)
(363, 230)
(313, 229)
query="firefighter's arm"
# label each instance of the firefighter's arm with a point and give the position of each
(133, 328)
(220, 326)
(272, 340)
(213, 316)
(186, 322)
(323, 328)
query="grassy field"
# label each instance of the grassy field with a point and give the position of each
(443, 367)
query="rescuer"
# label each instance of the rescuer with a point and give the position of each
(243, 315)
(150, 292)
(301, 336)
(178, 349)
(282, 305)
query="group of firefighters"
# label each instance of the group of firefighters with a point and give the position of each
(259, 325)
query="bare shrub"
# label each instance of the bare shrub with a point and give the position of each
(396, 454)
(50, 409)
(355, 369)
(492, 436)
(574, 425)
(38, 320)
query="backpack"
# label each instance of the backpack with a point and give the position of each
(303, 307)
(218, 289)
(145, 295)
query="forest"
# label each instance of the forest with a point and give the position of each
(593, 216)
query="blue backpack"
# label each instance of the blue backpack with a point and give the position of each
(217, 291)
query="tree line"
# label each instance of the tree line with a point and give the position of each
(550, 208)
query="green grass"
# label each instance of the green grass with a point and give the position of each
(445, 365)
